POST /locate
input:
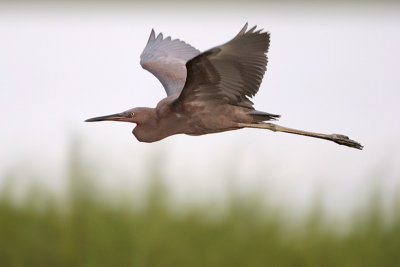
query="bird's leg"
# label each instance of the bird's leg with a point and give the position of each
(337, 138)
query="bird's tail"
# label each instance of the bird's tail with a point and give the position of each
(260, 116)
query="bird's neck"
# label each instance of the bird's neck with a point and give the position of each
(159, 125)
(147, 126)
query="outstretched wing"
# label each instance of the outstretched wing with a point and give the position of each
(231, 72)
(166, 59)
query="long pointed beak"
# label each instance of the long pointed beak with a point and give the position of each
(112, 117)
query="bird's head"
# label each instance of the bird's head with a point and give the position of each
(131, 115)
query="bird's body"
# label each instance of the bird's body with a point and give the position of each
(207, 92)
(191, 119)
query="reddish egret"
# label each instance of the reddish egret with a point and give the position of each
(207, 92)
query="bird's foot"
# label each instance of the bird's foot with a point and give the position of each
(346, 141)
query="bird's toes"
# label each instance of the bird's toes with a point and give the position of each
(340, 136)
(346, 141)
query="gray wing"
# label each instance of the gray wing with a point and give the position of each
(166, 59)
(231, 72)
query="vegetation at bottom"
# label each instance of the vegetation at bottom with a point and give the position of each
(87, 231)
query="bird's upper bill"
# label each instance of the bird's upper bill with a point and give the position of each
(123, 116)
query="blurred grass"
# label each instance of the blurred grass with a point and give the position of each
(86, 230)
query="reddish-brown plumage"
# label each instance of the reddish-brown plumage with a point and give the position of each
(207, 92)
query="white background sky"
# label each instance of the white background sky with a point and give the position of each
(332, 69)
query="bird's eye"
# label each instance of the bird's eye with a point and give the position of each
(131, 114)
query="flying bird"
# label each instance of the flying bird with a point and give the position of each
(207, 92)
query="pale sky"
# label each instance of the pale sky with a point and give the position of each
(332, 69)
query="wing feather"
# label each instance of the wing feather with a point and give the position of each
(166, 59)
(231, 72)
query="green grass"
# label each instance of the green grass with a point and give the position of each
(86, 230)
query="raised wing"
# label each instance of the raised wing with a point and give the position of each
(231, 72)
(166, 59)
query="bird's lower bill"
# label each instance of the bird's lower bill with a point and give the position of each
(113, 117)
